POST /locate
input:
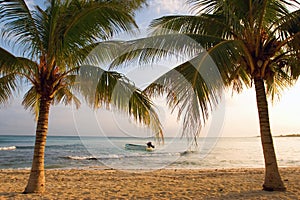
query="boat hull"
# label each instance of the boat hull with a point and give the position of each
(138, 147)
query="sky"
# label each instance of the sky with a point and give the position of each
(236, 116)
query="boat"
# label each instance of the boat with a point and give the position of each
(138, 147)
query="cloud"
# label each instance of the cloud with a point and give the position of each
(169, 6)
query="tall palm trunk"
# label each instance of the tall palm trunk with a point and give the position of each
(272, 177)
(36, 182)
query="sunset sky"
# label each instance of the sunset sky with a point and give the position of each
(240, 119)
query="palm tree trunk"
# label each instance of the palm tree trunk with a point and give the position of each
(36, 182)
(272, 177)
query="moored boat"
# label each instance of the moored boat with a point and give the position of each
(138, 147)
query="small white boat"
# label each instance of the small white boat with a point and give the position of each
(138, 147)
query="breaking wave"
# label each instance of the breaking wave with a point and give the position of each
(8, 148)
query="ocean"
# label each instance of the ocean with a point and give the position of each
(101, 152)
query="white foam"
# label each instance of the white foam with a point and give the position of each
(78, 158)
(7, 148)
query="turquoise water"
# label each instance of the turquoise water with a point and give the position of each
(95, 152)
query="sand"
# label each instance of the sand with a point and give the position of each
(160, 184)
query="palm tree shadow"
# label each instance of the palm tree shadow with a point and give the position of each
(9, 194)
(19, 195)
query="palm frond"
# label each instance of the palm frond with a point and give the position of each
(286, 64)
(7, 86)
(20, 24)
(294, 63)
(31, 101)
(66, 30)
(111, 89)
(194, 88)
(288, 29)
(86, 22)
(205, 24)
(204, 76)
(8, 76)
(155, 48)
(76, 27)
(20, 66)
(104, 52)
(231, 60)
(203, 6)
(66, 96)
(277, 83)
(8, 61)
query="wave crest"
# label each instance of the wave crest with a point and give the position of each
(80, 158)
(8, 148)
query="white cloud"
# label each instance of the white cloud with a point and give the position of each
(169, 6)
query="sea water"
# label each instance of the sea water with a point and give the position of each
(102, 152)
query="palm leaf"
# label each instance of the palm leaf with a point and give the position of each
(20, 66)
(186, 24)
(155, 48)
(66, 96)
(85, 23)
(102, 53)
(7, 87)
(288, 29)
(67, 30)
(277, 83)
(194, 88)
(8, 61)
(111, 89)
(204, 76)
(31, 101)
(19, 22)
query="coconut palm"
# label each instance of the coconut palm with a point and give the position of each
(53, 42)
(251, 42)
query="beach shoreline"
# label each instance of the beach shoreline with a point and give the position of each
(238, 183)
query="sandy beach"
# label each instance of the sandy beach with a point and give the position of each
(160, 184)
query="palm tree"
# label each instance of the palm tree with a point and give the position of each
(251, 42)
(53, 43)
